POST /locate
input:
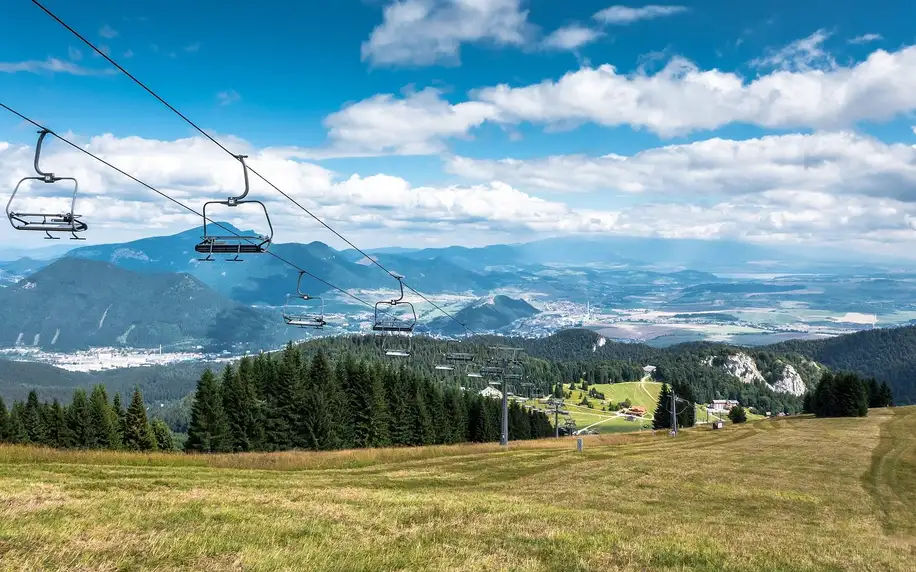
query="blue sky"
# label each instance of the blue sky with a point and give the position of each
(364, 106)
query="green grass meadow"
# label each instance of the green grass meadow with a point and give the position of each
(790, 494)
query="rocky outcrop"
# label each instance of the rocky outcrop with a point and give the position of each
(744, 367)
(789, 381)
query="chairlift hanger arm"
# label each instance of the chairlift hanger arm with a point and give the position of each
(232, 201)
(48, 177)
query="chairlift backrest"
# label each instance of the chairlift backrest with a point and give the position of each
(296, 314)
(235, 244)
(385, 322)
(44, 221)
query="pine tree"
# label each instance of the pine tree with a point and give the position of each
(58, 431)
(873, 392)
(79, 424)
(886, 396)
(282, 402)
(243, 410)
(457, 415)
(685, 407)
(137, 432)
(399, 430)
(16, 432)
(840, 395)
(438, 423)
(209, 430)
(662, 417)
(239, 406)
(359, 390)
(319, 427)
(34, 420)
(103, 419)
(120, 417)
(378, 416)
(421, 430)
(163, 435)
(4, 422)
(519, 425)
(492, 418)
(477, 421)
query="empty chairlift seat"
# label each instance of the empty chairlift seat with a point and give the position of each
(304, 310)
(395, 326)
(234, 244)
(46, 222)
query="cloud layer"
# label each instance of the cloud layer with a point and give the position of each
(806, 91)
(837, 188)
(193, 171)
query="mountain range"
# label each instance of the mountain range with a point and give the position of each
(75, 303)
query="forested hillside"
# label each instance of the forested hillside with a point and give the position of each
(280, 402)
(888, 354)
(567, 356)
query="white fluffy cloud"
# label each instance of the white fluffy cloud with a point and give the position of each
(678, 99)
(828, 164)
(682, 98)
(413, 125)
(571, 37)
(624, 15)
(193, 171)
(424, 32)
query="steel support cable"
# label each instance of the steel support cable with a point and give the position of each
(250, 168)
(179, 203)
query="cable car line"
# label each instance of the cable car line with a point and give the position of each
(252, 169)
(179, 203)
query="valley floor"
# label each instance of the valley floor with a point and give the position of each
(787, 494)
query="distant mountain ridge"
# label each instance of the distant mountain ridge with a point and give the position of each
(485, 316)
(75, 303)
(265, 279)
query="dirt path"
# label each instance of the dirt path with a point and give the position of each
(891, 479)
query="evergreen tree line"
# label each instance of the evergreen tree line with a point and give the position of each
(88, 422)
(267, 404)
(686, 411)
(847, 395)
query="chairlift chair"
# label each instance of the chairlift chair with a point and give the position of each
(490, 371)
(396, 349)
(46, 222)
(392, 326)
(297, 314)
(469, 372)
(236, 245)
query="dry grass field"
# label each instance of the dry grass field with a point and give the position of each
(789, 494)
